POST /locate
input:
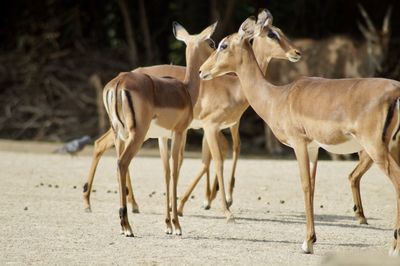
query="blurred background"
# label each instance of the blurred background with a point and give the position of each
(56, 55)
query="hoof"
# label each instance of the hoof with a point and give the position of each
(307, 247)
(229, 202)
(394, 252)
(168, 231)
(206, 205)
(362, 220)
(129, 234)
(178, 232)
(135, 210)
(88, 209)
(180, 213)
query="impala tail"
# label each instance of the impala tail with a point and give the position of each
(119, 105)
(392, 121)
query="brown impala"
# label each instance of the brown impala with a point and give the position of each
(339, 115)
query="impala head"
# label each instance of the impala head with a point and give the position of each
(377, 40)
(201, 43)
(270, 42)
(228, 54)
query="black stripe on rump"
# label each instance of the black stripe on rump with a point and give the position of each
(388, 118)
(130, 103)
(116, 105)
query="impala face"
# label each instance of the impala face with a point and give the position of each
(220, 61)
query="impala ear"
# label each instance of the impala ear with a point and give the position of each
(179, 31)
(246, 30)
(207, 32)
(263, 16)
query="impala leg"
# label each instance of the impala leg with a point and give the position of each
(211, 133)
(363, 165)
(131, 147)
(223, 144)
(313, 157)
(130, 195)
(102, 144)
(175, 149)
(235, 155)
(390, 167)
(163, 145)
(182, 151)
(304, 167)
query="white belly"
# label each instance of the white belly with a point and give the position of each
(350, 146)
(196, 124)
(155, 131)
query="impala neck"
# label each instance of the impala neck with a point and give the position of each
(259, 92)
(192, 79)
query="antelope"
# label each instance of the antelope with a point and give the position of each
(220, 105)
(345, 116)
(341, 56)
(338, 56)
(141, 106)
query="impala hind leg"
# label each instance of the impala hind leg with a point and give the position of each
(163, 146)
(388, 164)
(102, 144)
(306, 182)
(211, 132)
(130, 149)
(364, 164)
(130, 196)
(235, 155)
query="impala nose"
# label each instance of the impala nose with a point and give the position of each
(297, 52)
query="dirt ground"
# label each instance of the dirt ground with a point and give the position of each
(42, 220)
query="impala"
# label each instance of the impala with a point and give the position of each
(339, 115)
(338, 56)
(220, 105)
(141, 106)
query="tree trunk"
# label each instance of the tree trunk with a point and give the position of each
(129, 32)
(146, 33)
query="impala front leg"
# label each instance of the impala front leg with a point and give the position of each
(304, 167)
(163, 145)
(363, 165)
(175, 149)
(235, 155)
(212, 140)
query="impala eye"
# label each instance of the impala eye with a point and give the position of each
(211, 43)
(272, 35)
(222, 46)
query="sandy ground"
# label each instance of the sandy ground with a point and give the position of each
(42, 219)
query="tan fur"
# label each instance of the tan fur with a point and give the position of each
(221, 103)
(339, 109)
(136, 102)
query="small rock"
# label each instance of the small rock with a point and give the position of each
(268, 203)
(74, 187)
(192, 197)
(50, 185)
(26, 208)
(115, 192)
(37, 186)
(56, 186)
(163, 194)
(268, 211)
(322, 206)
(108, 191)
(41, 184)
(150, 195)
(112, 243)
(93, 190)
(282, 201)
(153, 193)
(259, 198)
